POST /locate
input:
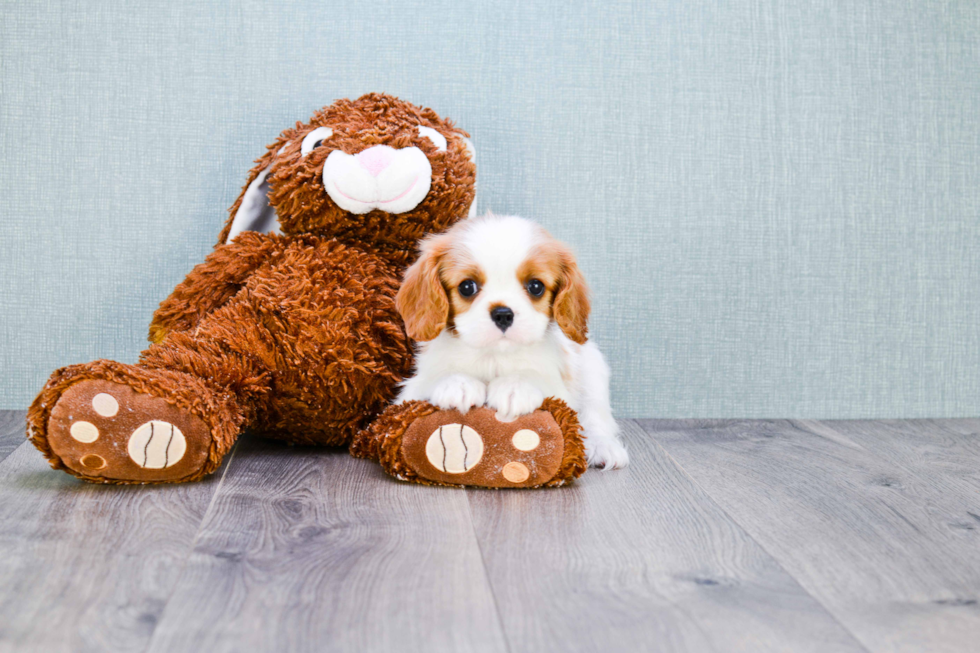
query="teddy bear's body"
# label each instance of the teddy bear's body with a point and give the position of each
(293, 334)
(308, 341)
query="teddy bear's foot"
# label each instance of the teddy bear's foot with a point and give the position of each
(107, 422)
(418, 442)
(107, 430)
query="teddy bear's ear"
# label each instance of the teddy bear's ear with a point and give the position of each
(252, 211)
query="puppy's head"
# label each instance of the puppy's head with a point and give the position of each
(494, 281)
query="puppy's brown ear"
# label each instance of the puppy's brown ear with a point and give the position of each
(571, 306)
(422, 300)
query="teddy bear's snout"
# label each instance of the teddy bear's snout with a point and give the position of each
(380, 177)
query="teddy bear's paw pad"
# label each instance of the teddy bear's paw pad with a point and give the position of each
(477, 449)
(106, 430)
(454, 448)
(157, 445)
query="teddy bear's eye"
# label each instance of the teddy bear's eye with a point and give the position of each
(314, 139)
(437, 139)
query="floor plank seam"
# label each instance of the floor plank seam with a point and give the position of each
(864, 645)
(11, 435)
(190, 549)
(486, 572)
(27, 444)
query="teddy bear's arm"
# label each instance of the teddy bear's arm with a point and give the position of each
(212, 283)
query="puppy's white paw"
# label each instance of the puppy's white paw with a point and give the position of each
(459, 391)
(606, 453)
(511, 397)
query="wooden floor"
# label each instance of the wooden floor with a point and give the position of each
(721, 536)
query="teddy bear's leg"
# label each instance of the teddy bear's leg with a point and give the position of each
(417, 441)
(171, 418)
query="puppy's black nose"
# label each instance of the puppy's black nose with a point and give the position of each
(502, 316)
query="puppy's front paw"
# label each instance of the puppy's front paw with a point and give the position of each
(459, 391)
(511, 397)
(606, 453)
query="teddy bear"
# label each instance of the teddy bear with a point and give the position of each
(289, 327)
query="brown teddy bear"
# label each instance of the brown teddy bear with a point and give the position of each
(289, 327)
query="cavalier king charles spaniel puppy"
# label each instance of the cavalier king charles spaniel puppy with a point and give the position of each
(500, 310)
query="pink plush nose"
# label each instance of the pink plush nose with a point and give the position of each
(376, 159)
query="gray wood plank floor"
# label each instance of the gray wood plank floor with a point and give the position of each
(870, 539)
(721, 536)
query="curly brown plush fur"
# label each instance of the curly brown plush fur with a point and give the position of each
(293, 335)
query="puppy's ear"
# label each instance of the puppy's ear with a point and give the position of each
(571, 305)
(422, 300)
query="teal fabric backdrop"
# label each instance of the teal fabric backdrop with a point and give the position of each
(777, 202)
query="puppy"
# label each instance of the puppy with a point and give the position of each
(500, 310)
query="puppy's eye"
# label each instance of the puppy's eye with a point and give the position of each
(315, 139)
(535, 287)
(468, 288)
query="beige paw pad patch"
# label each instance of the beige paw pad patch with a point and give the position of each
(454, 448)
(156, 445)
(105, 404)
(526, 440)
(86, 432)
(515, 472)
(93, 462)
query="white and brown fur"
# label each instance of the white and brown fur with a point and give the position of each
(465, 359)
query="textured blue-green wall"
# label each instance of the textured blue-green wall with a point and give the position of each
(777, 203)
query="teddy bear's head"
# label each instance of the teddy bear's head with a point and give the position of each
(376, 171)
